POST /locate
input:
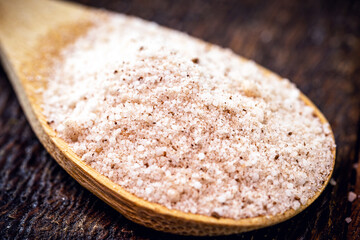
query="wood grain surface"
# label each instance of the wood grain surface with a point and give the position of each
(316, 45)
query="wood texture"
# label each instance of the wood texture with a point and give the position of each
(324, 64)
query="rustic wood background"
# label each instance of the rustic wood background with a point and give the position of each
(314, 43)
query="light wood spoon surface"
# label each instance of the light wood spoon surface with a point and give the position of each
(25, 52)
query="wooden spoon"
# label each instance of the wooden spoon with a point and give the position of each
(25, 53)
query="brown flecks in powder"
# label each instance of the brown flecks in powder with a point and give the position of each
(215, 215)
(184, 135)
(195, 60)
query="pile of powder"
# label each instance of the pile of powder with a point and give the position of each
(186, 124)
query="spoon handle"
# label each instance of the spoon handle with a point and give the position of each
(23, 22)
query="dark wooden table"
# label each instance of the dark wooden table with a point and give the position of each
(314, 43)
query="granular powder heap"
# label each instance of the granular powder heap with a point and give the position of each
(186, 124)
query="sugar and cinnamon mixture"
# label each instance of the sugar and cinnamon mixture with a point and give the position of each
(186, 124)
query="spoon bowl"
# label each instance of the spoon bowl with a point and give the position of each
(34, 31)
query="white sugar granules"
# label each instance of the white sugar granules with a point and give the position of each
(332, 182)
(352, 196)
(186, 124)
